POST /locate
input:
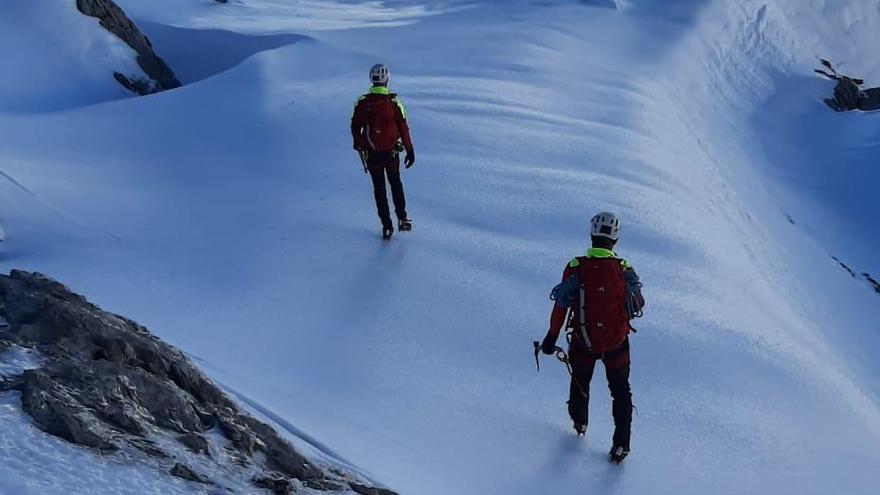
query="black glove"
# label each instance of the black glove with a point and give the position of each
(410, 158)
(549, 345)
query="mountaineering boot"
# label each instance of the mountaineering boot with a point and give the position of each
(580, 429)
(386, 233)
(404, 225)
(617, 454)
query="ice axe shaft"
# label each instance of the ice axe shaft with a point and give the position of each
(363, 155)
(537, 350)
(559, 351)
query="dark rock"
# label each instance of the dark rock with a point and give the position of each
(871, 101)
(113, 19)
(57, 413)
(369, 490)
(275, 484)
(105, 382)
(195, 443)
(139, 85)
(148, 447)
(848, 95)
(278, 454)
(185, 472)
(325, 485)
(845, 266)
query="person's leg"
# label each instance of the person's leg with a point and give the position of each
(397, 191)
(617, 366)
(377, 174)
(582, 366)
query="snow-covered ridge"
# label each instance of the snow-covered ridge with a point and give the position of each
(241, 223)
(758, 53)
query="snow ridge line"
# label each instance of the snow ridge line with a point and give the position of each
(55, 210)
(287, 426)
(16, 183)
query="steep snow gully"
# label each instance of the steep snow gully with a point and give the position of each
(230, 217)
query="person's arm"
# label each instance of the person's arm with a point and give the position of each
(357, 126)
(634, 299)
(402, 126)
(565, 294)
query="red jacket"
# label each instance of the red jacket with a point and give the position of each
(379, 121)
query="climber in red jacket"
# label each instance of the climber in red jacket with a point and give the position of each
(601, 293)
(380, 132)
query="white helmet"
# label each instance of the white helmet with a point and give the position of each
(379, 74)
(605, 224)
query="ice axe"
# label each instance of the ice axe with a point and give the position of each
(363, 155)
(537, 350)
(562, 356)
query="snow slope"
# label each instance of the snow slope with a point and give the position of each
(231, 217)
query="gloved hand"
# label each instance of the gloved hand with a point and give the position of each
(548, 346)
(410, 158)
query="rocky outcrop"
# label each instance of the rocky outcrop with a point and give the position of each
(106, 383)
(865, 275)
(848, 93)
(113, 19)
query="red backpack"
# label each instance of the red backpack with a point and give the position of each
(599, 315)
(381, 116)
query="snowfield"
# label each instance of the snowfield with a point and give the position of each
(232, 218)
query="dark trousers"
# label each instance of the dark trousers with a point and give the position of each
(617, 366)
(380, 166)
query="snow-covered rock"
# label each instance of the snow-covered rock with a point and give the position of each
(112, 18)
(106, 383)
(58, 58)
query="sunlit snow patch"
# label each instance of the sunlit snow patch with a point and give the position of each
(275, 16)
(16, 360)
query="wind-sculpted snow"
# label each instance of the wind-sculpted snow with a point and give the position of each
(201, 53)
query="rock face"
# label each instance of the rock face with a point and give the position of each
(113, 19)
(105, 382)
(848, 95)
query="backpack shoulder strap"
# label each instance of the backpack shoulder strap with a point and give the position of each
(396, 101)
(577, 261)
(580, 309)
